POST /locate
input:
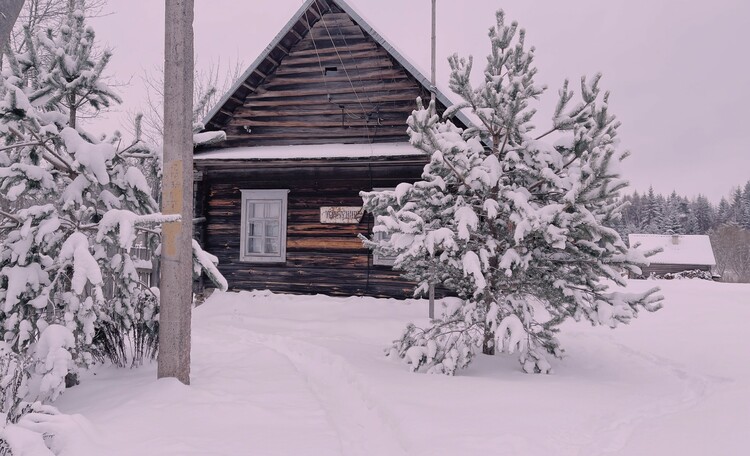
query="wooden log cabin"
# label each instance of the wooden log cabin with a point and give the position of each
(318, 117)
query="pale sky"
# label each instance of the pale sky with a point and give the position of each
(678, 70)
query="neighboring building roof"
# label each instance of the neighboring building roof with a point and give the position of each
(279, 47)
(677, 249)
(312, 152)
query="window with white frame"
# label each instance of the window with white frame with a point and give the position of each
(263, 226)
(380, 259)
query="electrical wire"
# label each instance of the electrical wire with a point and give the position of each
(346, 72)
(317, 54)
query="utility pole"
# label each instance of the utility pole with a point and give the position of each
(433, 89)
(177, 194)
(9, 11)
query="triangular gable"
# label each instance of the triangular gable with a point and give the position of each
(327, 77)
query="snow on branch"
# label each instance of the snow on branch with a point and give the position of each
(205, 262)
(124, 223)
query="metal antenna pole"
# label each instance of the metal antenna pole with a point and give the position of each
(433, 89)
(432, 76)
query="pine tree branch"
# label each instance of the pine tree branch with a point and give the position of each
(147, 230)
(501, 152)
(556, 128)
(95, 226)
(455, 171)
(138, 156)
(10, 216)
(548, 132)
(537, 184)
(51, 156)
(19, 145)
(147, 288)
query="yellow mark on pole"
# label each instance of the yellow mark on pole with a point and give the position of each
(172, 204)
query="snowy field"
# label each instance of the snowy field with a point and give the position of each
(292, 375)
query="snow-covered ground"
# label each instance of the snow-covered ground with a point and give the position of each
(295, 375)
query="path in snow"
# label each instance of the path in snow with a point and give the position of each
(363, 426)
(244, 399)
(614, 436)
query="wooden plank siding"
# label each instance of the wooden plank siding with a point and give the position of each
(321, 258)
(664, 268)
(335, 84)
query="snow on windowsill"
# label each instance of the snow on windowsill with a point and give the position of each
(312, 152)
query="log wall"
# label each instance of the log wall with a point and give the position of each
(321, 258)
(660, 269)
(334, 84)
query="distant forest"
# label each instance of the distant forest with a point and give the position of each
(728, 224)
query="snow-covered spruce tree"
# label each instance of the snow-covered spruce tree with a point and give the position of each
(516, 227)
(72, 206)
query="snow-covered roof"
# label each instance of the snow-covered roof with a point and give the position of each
(302, 152)
(677, 249)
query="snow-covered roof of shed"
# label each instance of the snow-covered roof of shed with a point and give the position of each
(317, 151)
(287, 31)
(677, 249)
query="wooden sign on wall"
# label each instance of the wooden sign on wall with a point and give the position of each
(341, 214)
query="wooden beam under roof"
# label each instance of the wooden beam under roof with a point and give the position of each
(312, 10)
(296, 33)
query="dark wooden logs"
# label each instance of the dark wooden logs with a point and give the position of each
(345, 87)
(321, 258)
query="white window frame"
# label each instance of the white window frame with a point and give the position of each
(249, 196)
(377, 259)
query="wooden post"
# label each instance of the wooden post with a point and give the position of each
(431, 312)
(177, 194)
(9, 11)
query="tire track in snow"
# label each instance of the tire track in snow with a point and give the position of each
(695, 388)
(280, 379)
(364, 427)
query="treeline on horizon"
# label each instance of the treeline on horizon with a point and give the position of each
(728, 224)
(654, 213)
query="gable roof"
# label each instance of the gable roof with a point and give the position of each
(677, 249)
(292, 33)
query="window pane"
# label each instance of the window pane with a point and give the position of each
(255, 229)
(263, 221)
(273, 209)
(254, 245)
(259, 210)
(272, 245)
(272, 229)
